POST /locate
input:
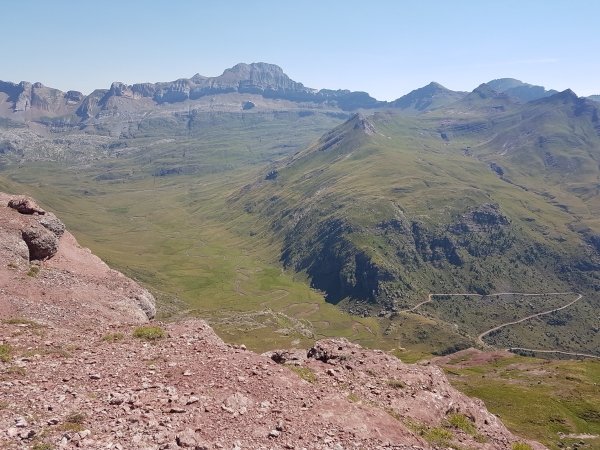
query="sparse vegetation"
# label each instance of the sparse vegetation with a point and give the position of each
(76, 417)
(149, 333)
(303, 372)
(463, 423)
(352, 397)
(433, 435)
(42, 446)
(113, 337)
(74, 422)
(34, 271)
(396, 384)
(533, 397)
(23, 321)
(438, 436)
(521, 446)
(57, 351)
(5, 352)
(15, 371)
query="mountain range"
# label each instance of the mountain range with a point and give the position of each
(34, 100)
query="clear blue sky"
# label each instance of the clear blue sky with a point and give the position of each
(386, 48)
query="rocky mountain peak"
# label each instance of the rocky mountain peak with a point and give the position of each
(427, 97)
(567, 94)
(516, 89)
(360, 122)
(244, 70)
(485, 91)
(435, 86)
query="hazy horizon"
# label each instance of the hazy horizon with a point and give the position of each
(386, 50)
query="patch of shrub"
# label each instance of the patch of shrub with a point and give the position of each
(463, 423)
(521, 446)
(5, 352)
(396, 384)
(149, 333)
(34, 270)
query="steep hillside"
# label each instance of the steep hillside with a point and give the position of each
(492, 198)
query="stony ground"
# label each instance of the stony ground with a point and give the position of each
(81, 367)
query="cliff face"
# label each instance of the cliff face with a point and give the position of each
(36, 101)
(76, 373)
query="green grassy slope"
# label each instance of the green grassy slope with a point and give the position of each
(385, 210)
(553, 402)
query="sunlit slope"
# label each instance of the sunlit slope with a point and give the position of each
(386, 209)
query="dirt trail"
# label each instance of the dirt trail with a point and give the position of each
(532, 316)
(543, 313)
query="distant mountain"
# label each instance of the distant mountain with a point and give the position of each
(34, 101)
(595, 98)
(432, 96)
(242, 87)
(25, 96)
(482, 100)
(524, 92)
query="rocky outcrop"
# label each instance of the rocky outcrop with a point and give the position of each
(45, 274)
(53, 224)
(26, 96)
(42, 244)
(105, 388)
(25, 205)
(266, 80)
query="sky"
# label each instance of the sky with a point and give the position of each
(386, 48)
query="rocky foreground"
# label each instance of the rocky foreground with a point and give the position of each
(81, 367)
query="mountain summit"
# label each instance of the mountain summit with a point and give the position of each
(432, 96)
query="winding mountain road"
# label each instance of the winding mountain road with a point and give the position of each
(543, 313)
(499, 327)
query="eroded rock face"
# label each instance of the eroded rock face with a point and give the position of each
(53, 224)
(146, 302)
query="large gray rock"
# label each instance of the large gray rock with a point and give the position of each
(145, 301)
(53, 223)
(42, 243)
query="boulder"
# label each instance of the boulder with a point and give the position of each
(42, 243)
(53, 224)
(25, 205)
(146, 302)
